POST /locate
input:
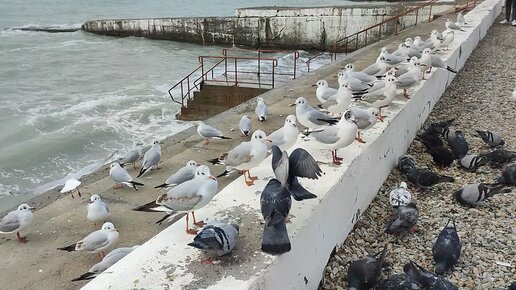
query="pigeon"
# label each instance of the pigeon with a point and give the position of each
(365, 273)
(449, 135)
(508, 175)
(446, 249)
(131, 157)
(461, 21)
(310, 117)
(406, 162)
(471, 162)
(512, 286)
(499, 157)
(151, 158)
(97, 210)
(96, 242)
(365, 119)
(398, 282)
(186, 197)
(262, 111)
(208, 132)
(404, 219)
(17, 220)
(323, 91)
(441, 156)
(426, 279)
(275, 203)
(400, 196)
(476, 193)
(108, 261)
(121, 177)
(287, 169)
(245, 156)
(439, 128)
(452, 25)
(183, 174)
(286, 136)
(431, 139)
(217, 238)
(245, 125)
(459, 145)
(492, 139)
(424, 178)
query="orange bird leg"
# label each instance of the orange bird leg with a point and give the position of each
(335, 161)
(249, 182)
(358, 138)
(189, 230)
(197, 223)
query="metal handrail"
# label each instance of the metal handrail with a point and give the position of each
(379, 26)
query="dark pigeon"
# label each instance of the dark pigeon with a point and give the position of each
(424, 178)
(398, 282)
(508, 175)
(446, 249)
(218, 238)
(364, 274)
(406, 162)
(425, 279)
(439, 127)
(459, 145)
(404, 219)
(432, 139)
(500, 157)
(476, 193)
(512, 286)
(441, 156)
(492, 139)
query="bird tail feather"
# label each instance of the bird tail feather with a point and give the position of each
(451, 69)
(69, 248)
(85, 276)
(275, 239)
(147, 207)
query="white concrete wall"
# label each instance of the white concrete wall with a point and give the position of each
(317, 226)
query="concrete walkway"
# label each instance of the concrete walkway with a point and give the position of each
(38, 265)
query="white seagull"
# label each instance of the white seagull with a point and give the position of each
(245, 125)
(121, 176)
(208, 132)
(17, 220)
(97, 210)
(286, 136)
(262, 111)
(151, 158)
(185, 173)
(96, 242)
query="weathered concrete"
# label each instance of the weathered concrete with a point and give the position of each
(299, 28)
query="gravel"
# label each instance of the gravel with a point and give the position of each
(479, 98)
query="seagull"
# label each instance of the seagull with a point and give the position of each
(350, 71)
(208, 132)
(70, 185)
(323, 91)
(17, 220)
(446, 249)
(261, 109)
(449, 36)
(310, 117)
(391, 59)
(108, 261)
(339, 102)
(476, 193)
(430, 61)
(97, 210)
(365, 273)
(365, 119)
(376, 69)
(461, 20)
(185, 173)
(286, 136)
(186, 197)
(217, 238)
(151, 158)
(352, 83)
(383, 97)
(96, 242)
(338, 136)
(411, 78)
(121, 177)
(245, 156)
(245, 125)
(452, 25)
(132, 156)
(400, 196)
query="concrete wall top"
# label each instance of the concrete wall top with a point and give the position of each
(316, 226)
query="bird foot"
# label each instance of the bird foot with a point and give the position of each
(199, 223)
(359, 139)
(206, 142)
(382, 117)
(339, 158)
(337, 162)
(253, 178)
(22, 240)
(191, 232)
(249, 182)
(208, 261)
(413, 229)
(406, 96)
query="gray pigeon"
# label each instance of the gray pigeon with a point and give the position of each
(288, 169)
(492, 139)
(471, 162)
(365, 273)
(406, 162)
(446, 249)
(427, 280)
(108, 261)
(476, 193)
(405, 219)
(216, 237)
(275, 203)
(508, 175)
(459, 145)
(424, 178)
(398, 282)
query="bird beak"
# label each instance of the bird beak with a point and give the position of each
(292, 105)
(295, 125)
(314, 85)
(248, 117)
(379, 118)
(212, 177)
(267, 139)
(30, 207)
(91, 201)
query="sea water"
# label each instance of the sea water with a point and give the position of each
(69, 100)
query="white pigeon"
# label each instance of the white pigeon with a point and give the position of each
(96, 242)
(151, 158)
(262, 111)
(121, 176)
(208, 132)
(339, 102)
(383, 97)
(185, 173)
(323, 91)
(452, 25)
(109, 260)
(286, 136)
(98, 210)
(337, 137)
(365, 118)
(245, 156)
(17, 220)
(310, 117)
(400, 196)
(461, 21)
(245, 125)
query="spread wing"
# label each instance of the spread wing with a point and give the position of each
(302, 164)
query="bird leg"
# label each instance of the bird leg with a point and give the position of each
(381, 117)
(71, 193)
(79, 193)
(251, 177)
(405, 94)
(334, 159)
(134, 165)
(358, 138)
(249, 181)
(197, 223)
(189, 230)
(117, 185)
(206, 142)
(20, 238)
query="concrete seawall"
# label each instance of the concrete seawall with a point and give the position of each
(317, 226)
(278, 27)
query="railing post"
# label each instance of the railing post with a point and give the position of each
(430, 12)
(379, 32)
(365, 41)
(356, 43)
(236, 72)
(273, 75)
(259, 67)
(201, 60)
(296, 55)
(417, 14)
(226, 66)
(182, 96)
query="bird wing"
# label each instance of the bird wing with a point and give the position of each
(302, 164)
(182, 175)
(362, 118)
(261, 110)
(275, 199)
(245, 124)
(209, 132)
(314, 116)
(130, 157)
(406, 80)
(10, 223)
(121, 175)
(151, 158)
(372, 69)
(438, 62)
(277, 137)
(94, 241)
(240, 154)
(329, 135)
(374, 96)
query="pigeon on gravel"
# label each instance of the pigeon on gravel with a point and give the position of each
(476, 193)
(425, 279)
(398, 282)
(449, 134)
(217, 238)
(365, 273)
(499, 157)
(459, 145)
(400, 196)
(472, 162)
(406, 162)
(446, 249)
(424, 178)
(508, 175)
(441, 155)
(404, 219)
(439, 127)
(429, 138)
(492, 139)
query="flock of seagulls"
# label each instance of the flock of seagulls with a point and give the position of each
(335, 125)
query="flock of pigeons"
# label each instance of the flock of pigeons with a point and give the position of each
(335, 125)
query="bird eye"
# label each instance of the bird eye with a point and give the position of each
(203, 173)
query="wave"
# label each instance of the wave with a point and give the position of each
(52, 28)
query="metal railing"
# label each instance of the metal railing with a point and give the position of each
(355, 37)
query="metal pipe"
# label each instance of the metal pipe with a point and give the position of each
(236, 72)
